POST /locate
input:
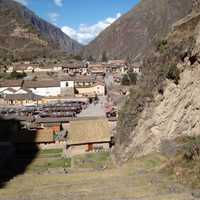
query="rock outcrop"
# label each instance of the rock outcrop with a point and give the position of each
(176, 112)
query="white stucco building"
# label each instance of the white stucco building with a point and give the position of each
(46, 88)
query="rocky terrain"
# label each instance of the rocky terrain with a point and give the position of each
(139, 30)
(22, 31)
(173, 109)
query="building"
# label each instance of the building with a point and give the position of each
(11, 84)
(88, 135)
(97, 69)
(21, 67)
(117, 66)
(95, 89)
(8, 91)
(22, 99)
(84, 81)
(137, 67)
(89, 86)
(117, 62)
(55, 124)
(45, 88)
(76, 69)
(28, 67)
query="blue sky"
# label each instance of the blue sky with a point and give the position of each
(82, 20)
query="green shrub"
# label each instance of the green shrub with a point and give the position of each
(132, 77)
(91, 59)
(192, 149)
(157, 67)
(30, 28)
(125, 80)
(130, 112)
(17, 75)
(78, 57)
(173, 74)
(162, 46)
(129, 79)
(104, 57)
(92, 160)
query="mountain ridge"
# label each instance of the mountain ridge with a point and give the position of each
(137, 31)
(17, 21)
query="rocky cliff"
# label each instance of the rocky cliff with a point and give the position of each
(170, 112)
(139, 30)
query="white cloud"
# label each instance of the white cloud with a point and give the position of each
(85, 34)
(53, 17)
(58, 2)
(24, 2)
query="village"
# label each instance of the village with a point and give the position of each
(73, 105)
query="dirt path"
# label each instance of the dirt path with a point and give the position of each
(138, 180)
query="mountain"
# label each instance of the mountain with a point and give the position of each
(165, 103)
(23, 31)
(136, 32)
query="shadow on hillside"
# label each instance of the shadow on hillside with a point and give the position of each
(15, 154)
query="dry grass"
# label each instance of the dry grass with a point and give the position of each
(134, 180)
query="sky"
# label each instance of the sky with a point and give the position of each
(82, 20)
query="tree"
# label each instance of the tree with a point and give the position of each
(132, 77)
(128, 60)
(17, 75)
(173, 74)
(90, 58)
(104, 57)
(35, 78)
(125, 80)
(77, 57)
(5, 68)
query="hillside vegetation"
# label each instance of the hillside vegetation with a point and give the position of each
(165, 104)
(23, 35)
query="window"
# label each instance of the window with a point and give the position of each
(66, 84)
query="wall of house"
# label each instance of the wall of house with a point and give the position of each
(82, 149)
(57, 69)
(43, 70)
(50, 91)
(69, 84)
(20, 102)
(136, 70)
(10, 69)
(67, 88)
(99, 90)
